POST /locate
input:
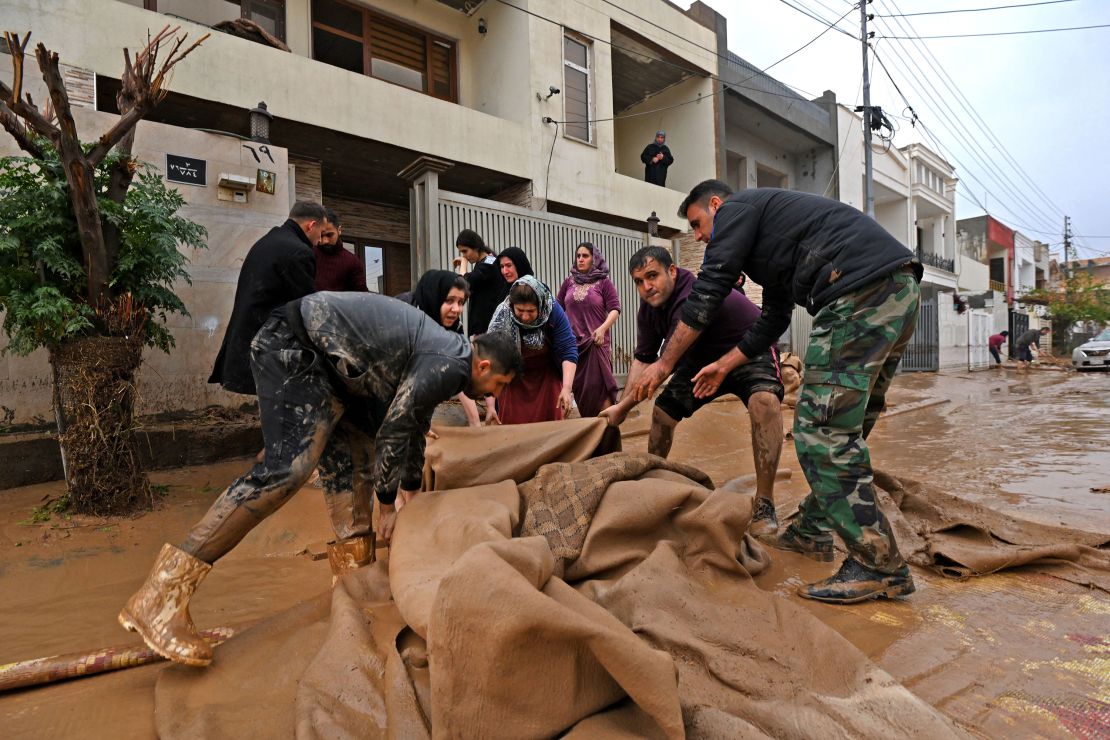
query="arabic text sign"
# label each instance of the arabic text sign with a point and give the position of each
(187, 170)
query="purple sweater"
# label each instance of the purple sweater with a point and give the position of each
(654, 326)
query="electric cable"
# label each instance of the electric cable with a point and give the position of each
(971, 10)
(947, 81)
(994, 33)
(550, 154)
(947, 116)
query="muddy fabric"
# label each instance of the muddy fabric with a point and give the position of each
(563, 497)
(304, 424)
(790, 365)
(656, 629)
(854, 349)
(472, 456)
(961, 539)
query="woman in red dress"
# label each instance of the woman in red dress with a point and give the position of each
(543, 391)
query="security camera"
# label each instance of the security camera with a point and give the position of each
(482, 28)
(552, 90)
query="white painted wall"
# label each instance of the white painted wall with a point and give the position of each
(757, 151)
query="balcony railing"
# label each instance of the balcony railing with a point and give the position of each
(933, 260)
(998, 286)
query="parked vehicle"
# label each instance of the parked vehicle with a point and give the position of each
(1094, 353)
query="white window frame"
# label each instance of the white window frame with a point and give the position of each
(588, 71)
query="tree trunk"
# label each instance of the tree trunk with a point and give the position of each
(95, 387)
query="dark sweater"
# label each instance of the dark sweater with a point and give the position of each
(340, 270)
(803, 249)
(392, 353)
(278, 268)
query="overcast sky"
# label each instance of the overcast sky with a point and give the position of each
(1045, 96)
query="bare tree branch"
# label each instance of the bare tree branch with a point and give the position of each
(12, 97)
(145, 87)
(11, 123)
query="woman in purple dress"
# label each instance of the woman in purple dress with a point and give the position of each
(591, 303)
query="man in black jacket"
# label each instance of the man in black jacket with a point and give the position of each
(279, 267)
(348, 381)
(861, 285)
(487, 288)
(657, 158)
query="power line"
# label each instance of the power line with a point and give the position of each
(810, 14)
(971, 10)
(995, 33)
(965, 103)
(951, 120)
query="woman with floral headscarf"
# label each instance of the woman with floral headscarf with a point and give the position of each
(543, 391)
(592, 306)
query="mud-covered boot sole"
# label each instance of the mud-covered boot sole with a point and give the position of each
(889, 592)
(131, 625)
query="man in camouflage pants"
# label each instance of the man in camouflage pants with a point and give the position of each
(862, 287)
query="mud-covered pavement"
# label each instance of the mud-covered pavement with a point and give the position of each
(1013, 654)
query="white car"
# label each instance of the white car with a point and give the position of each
(1094, 353)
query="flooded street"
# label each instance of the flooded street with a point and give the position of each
(1017, 654)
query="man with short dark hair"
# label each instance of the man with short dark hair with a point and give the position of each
(1025, 344)
(657, 158)
(336, 268)
(664, 288)
(487, 288)
(995, 342)
(278, 268)
(348, 381)
(861, 286)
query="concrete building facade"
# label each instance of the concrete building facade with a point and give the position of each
(372, 103)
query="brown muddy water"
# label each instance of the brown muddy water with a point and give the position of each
(1008, 655)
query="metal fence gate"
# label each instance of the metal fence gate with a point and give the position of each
(1019, 324)
(978, 333)
(550, 241)
(923, 352)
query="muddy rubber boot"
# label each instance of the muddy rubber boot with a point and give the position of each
(765, 522)
(855, 582)
(159, 610)
(819, 548)
(350, 554)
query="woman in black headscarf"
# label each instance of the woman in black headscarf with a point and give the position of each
(442, 294)
(514, 265)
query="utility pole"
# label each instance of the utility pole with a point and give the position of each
(868, 173)
(1069, 268)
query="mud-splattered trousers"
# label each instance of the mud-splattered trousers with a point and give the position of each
(304, 425)
(854, 349)
(362, 421)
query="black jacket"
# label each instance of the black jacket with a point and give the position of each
(487, 289)
(391, 353)
(278, 268)
(803, 249)
(656, 173)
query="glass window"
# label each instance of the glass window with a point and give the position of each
(337, 50)
(337, 15)
(577, 91)
(361, 41)
(208, 12)
(374, 260)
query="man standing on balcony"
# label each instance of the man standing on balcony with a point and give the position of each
(657, 158)
(336, 268)
(861, 285)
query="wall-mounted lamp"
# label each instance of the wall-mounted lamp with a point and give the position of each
(260, 124)
(482, 27)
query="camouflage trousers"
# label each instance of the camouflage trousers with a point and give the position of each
(854, 349)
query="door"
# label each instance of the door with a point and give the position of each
(923, 352)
